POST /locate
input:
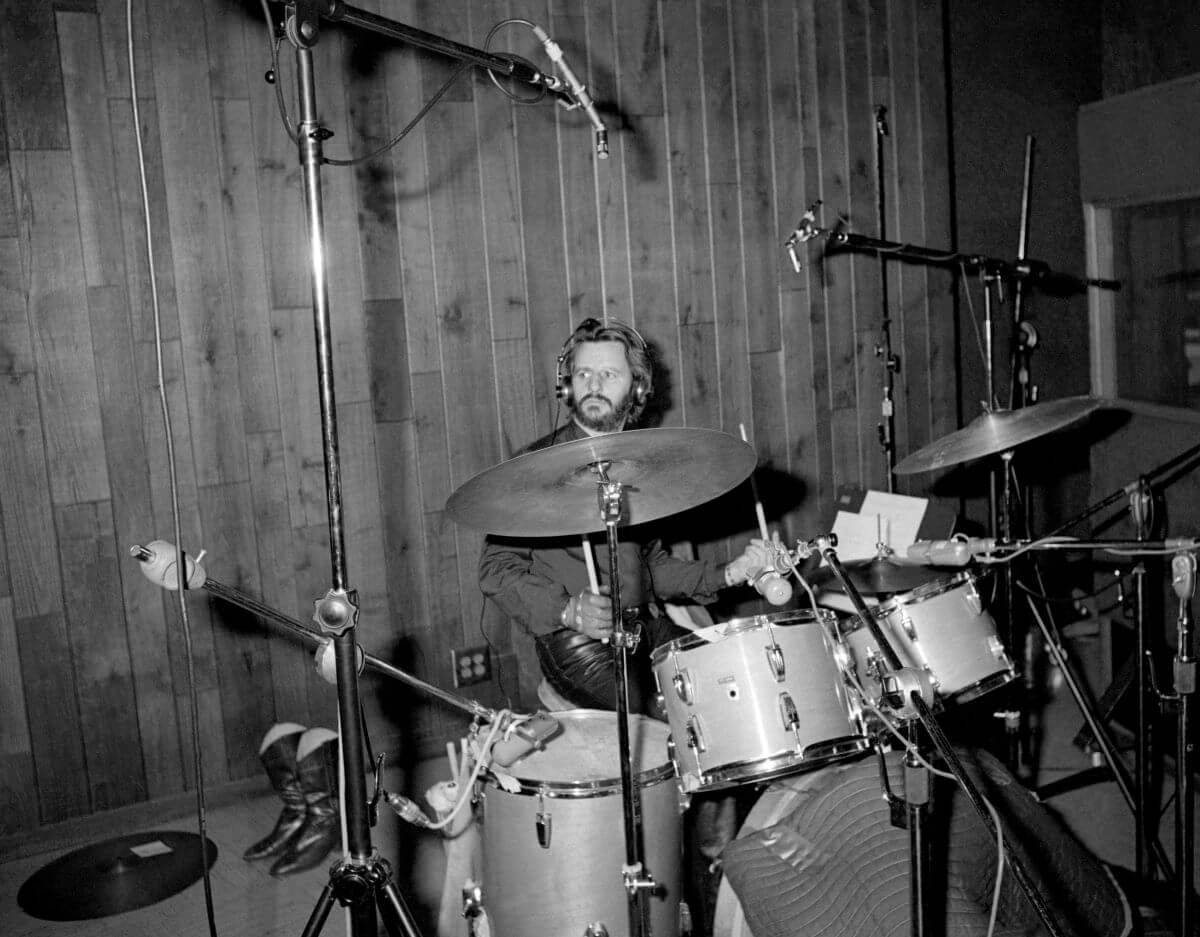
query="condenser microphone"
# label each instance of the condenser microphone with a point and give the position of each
(949, 552)
(576, 89)
(159, 562)
(773, 587)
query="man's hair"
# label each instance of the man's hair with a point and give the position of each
(637, 354)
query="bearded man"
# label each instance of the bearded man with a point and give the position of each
(561, 627)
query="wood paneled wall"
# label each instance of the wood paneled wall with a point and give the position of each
(458, 263)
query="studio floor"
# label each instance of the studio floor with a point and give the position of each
(248, 901)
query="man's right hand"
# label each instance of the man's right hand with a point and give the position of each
(590, 614)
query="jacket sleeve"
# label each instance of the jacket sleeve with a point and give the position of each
(675, 578)
(530, 599)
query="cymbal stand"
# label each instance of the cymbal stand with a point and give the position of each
(1183, 582)
(637, 880)
(906, 691)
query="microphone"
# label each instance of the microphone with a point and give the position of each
(577, 90)
(949, 552)
(773, 587)
(160, 565)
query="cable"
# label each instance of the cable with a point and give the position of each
(176, 524)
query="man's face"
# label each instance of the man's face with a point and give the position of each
(600, 384)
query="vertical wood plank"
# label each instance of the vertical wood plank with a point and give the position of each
(54, 724)
(611, 175)
(241, 657)
(133, 522)
(247, 267)
(18, 789)
(34, 112)
(91, 146)
(290, 659)
(25, 501)
(201, 273)
(132, 211)
(580, 171)
(16, 344)
(99, 655)
(753, 106)
(61, 332)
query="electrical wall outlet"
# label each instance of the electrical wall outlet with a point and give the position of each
(471, 665)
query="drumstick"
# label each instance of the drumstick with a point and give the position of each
(758, 508)
(684, 620)
(590, 561)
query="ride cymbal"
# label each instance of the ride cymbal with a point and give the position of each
(114, 876)
(554, 491)
(998, 432)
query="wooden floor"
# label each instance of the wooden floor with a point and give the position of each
(246, 899)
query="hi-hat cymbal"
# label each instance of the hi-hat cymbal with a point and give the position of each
(998, 432)
(114, 876)
(876, 576)
(553, 492)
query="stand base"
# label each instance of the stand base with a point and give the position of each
(363, 887)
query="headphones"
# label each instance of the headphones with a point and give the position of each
(636, 352)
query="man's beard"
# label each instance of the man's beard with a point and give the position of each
(610, 420)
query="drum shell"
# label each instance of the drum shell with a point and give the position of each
(943, 628)
(733, 693)
(557, 889)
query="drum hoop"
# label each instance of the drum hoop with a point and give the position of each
(816, 755)
(600, 787)
(924, 592)
(744, 625)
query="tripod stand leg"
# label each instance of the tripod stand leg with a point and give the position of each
(396, 916)
(320, 912)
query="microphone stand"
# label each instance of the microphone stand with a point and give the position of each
(910, 692)
(362, 874)
(1183, 581)
(883, 350)
(636, 879)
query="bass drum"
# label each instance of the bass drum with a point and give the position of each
(553, 833)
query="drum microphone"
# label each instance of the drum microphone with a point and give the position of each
(949, 552)
(159, 563)
(772, 587)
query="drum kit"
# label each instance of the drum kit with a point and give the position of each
(745, 702)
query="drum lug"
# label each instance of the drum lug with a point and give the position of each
(788, 713)
(682, 681)
(544, 822)
(775, 660)
(909, 629)
(596, 929)
(695, 735)
(996, 646)
(973, 600)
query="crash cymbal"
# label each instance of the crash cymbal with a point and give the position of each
(114, 876)
(554, 491)
(998, 432)
(876, 576)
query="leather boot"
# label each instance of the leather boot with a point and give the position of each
(317, 767)
(278, 754)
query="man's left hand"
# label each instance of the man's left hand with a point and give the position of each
(758, 555)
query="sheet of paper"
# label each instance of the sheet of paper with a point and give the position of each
(856, 536)
(898, 516)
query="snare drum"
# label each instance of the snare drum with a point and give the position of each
(756, 698)
(940, 627)
(554, 845)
